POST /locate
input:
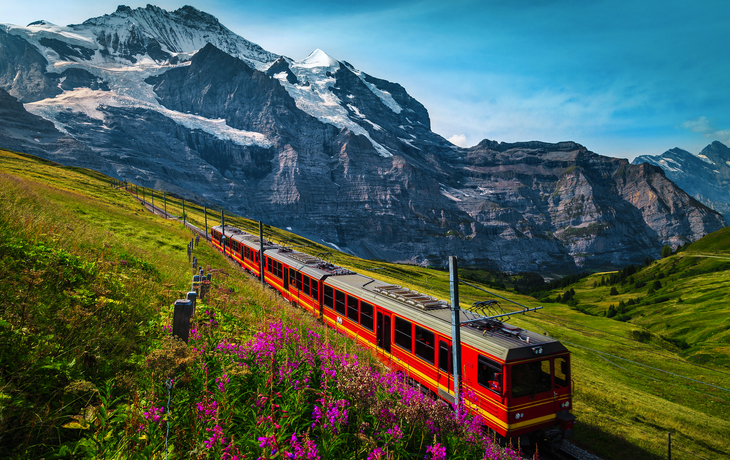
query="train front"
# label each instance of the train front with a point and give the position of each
(538, 389)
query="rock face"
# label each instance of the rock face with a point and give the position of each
(176, 101)
(706, 176)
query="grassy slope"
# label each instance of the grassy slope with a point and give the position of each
(624, 409)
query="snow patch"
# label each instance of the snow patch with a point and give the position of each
(664, 163)
(356, 110)
(88, 102)
(384, 96)
(449, 192)
(705, 159)
(408, 142)
(374, 125)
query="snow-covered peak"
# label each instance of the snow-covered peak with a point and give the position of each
(143, 34)
(318, 58)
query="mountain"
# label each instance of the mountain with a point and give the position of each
(705, 176)
(176, 101)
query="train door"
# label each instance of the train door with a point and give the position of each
(319, 299)
(286, 279)
(445, 368)
(383, 333)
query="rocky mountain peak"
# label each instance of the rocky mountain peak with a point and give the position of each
(718, 153)
(319, 58)
(705, 176)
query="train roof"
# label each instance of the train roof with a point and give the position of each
(244, 238)
(505, 342)
(309, 265)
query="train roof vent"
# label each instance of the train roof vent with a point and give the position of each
(318, 263)
(416, 299)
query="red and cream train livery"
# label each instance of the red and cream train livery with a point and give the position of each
(521, 380)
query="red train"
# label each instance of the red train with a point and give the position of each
(521, 379)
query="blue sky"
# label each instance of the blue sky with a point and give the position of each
(622, 77)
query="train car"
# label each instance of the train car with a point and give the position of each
(241, 246)
(517, 381)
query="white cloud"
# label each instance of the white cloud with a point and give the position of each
(458, 140)
(699, 125)
(705, 126)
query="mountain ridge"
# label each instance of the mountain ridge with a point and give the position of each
(326, 149)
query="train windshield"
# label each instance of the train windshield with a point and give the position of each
(531, 378)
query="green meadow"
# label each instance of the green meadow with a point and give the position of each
(650, 346)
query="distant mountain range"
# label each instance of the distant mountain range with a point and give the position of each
(176, 101)
(705, 176)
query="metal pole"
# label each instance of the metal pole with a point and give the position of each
(669, 446)
(153, 201)
(205, 215)
(183, 203)
(261, 252)
(223, 230)
(164, 198)
(455, 330)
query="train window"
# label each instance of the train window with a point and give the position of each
(352, 308)
(268, 264)
(292, 278)
(280, 270)
(299, 281)
(366, 315)
(530, 378)
(489, 374)
(445, 362)
(305, 284)
(339, 302)
(403, 334)
(425, 344)
(561, 372)
(328, 297)
(315, 289)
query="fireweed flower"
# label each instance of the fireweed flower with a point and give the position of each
(376, 454)
(308, 451)
(395, 433)
(437, 451)
(216, 437)
(221, 381)
(207, 408)
(154, 414)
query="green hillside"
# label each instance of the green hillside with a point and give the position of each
(659, 364)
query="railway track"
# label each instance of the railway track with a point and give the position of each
(566, 451)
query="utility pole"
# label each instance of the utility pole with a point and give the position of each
(223, 231)
(205, 216)
(455, 330)
(164, 198)
(261, 252)
(183, 204)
